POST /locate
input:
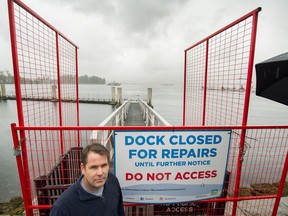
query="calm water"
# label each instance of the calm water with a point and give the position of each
(167, 101)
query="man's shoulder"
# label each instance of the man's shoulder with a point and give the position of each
(68, 194)
(112, 183)
(112, 175)
(64, 202)
(113, 178)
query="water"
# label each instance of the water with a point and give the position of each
(9, 185)
(167, 97)
(167, 101)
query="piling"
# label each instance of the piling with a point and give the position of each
(119, 95)
(54, 92)
(3, 95)
(149, 97)
(113, 94)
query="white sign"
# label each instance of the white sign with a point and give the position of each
(171, 166)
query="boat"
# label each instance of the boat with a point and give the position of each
(114, 83)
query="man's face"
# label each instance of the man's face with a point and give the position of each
(95, 171)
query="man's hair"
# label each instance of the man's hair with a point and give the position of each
(97, 149)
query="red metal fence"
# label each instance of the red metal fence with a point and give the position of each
(47, 141)
(264, 170)
(218, 75)
(46, 83)
(45, 70)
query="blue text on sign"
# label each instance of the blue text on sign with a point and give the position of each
(141, 140)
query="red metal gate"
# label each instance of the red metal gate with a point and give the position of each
(217, 66)
(46, 83)
(45, 65)
(48, 140)
(264, 164)
(217, 88)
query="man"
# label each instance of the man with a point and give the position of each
(96, 192)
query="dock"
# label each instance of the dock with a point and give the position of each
(114, 99)
(49, 99)
(134, 116)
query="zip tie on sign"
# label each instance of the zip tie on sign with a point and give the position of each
(17, 151)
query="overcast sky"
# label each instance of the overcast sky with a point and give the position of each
(144, 40)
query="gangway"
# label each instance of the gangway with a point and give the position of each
(133, 112)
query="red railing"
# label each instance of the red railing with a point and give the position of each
(264, 169)
(216, 67)
(218, 78)
(45, 67)
(46, 72)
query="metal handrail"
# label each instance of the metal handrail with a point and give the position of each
(151, 117)
(118, 117)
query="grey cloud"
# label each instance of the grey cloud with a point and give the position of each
(143, 15)
(127, 39)
(130, 15)
(90, 6)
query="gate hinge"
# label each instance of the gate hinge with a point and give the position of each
(17, 151)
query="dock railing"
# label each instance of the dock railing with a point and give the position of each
(118, 117)
(150, 116)
(105, 137)
(264, 171)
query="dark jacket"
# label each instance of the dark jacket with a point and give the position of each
(76, 201)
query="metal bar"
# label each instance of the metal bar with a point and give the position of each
(159, 117)
(202, 201)
(246, 108)
(59, 91)
(77, 87)
(184, 92)
(227, 27)
(25, 195)
(147, 128)
(112, 115)
(33, 13)
(239, 169)
(205, 83)
(250, 68)
(14, 49)
(230, 199)
(24, 169)
(59, 79)
(77, 96)
(281, 186)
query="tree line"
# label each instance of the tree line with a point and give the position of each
(7, 78)
(91, 80)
